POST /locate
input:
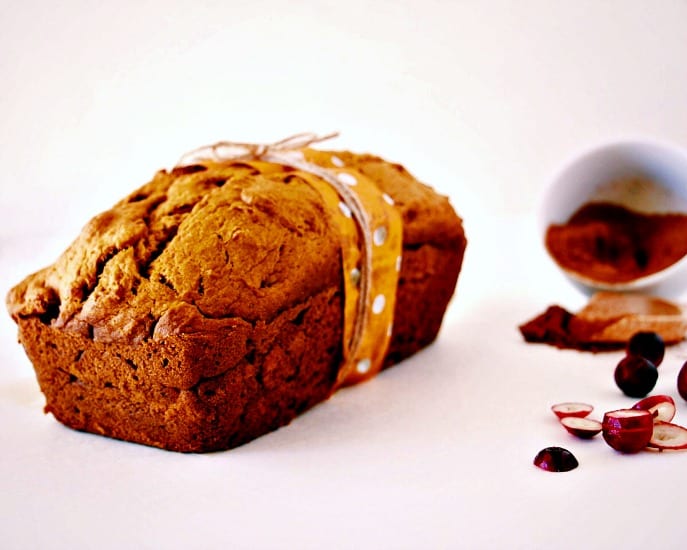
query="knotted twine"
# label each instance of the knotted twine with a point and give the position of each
(365, 349)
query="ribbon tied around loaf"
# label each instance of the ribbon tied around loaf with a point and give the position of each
(371, 239)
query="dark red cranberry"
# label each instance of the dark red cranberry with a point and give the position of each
(648, 345)
(636, 376)
(682, 382)
(555, 459)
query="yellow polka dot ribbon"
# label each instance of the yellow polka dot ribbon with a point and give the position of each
(371, 240)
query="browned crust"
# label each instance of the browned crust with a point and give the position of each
(213, 391)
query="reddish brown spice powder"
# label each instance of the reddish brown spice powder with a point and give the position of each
(609, 243)
(562, 329)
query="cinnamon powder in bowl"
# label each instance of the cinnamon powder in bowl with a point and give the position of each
(615, 218)
(612, 244)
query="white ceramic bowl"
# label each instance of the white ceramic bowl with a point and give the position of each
(646, 176)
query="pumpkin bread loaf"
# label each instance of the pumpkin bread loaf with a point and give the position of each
(206, 308)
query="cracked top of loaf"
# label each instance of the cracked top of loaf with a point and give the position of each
(202, 244)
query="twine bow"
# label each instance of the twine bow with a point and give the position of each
(282, 152)
(224, 151)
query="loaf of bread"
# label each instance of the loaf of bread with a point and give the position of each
(207, 307)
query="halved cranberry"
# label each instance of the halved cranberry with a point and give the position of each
(668, 437)
(571, 408)
(584, 428)
(661, 406)
(555, 459)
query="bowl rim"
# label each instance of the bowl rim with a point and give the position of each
(601, 146)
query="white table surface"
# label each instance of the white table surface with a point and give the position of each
(484, 100)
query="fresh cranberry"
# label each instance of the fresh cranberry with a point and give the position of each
(636, 376)
(555, 459)
(682, 381)
(648, 345)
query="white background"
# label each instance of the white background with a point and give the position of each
(483, 100)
